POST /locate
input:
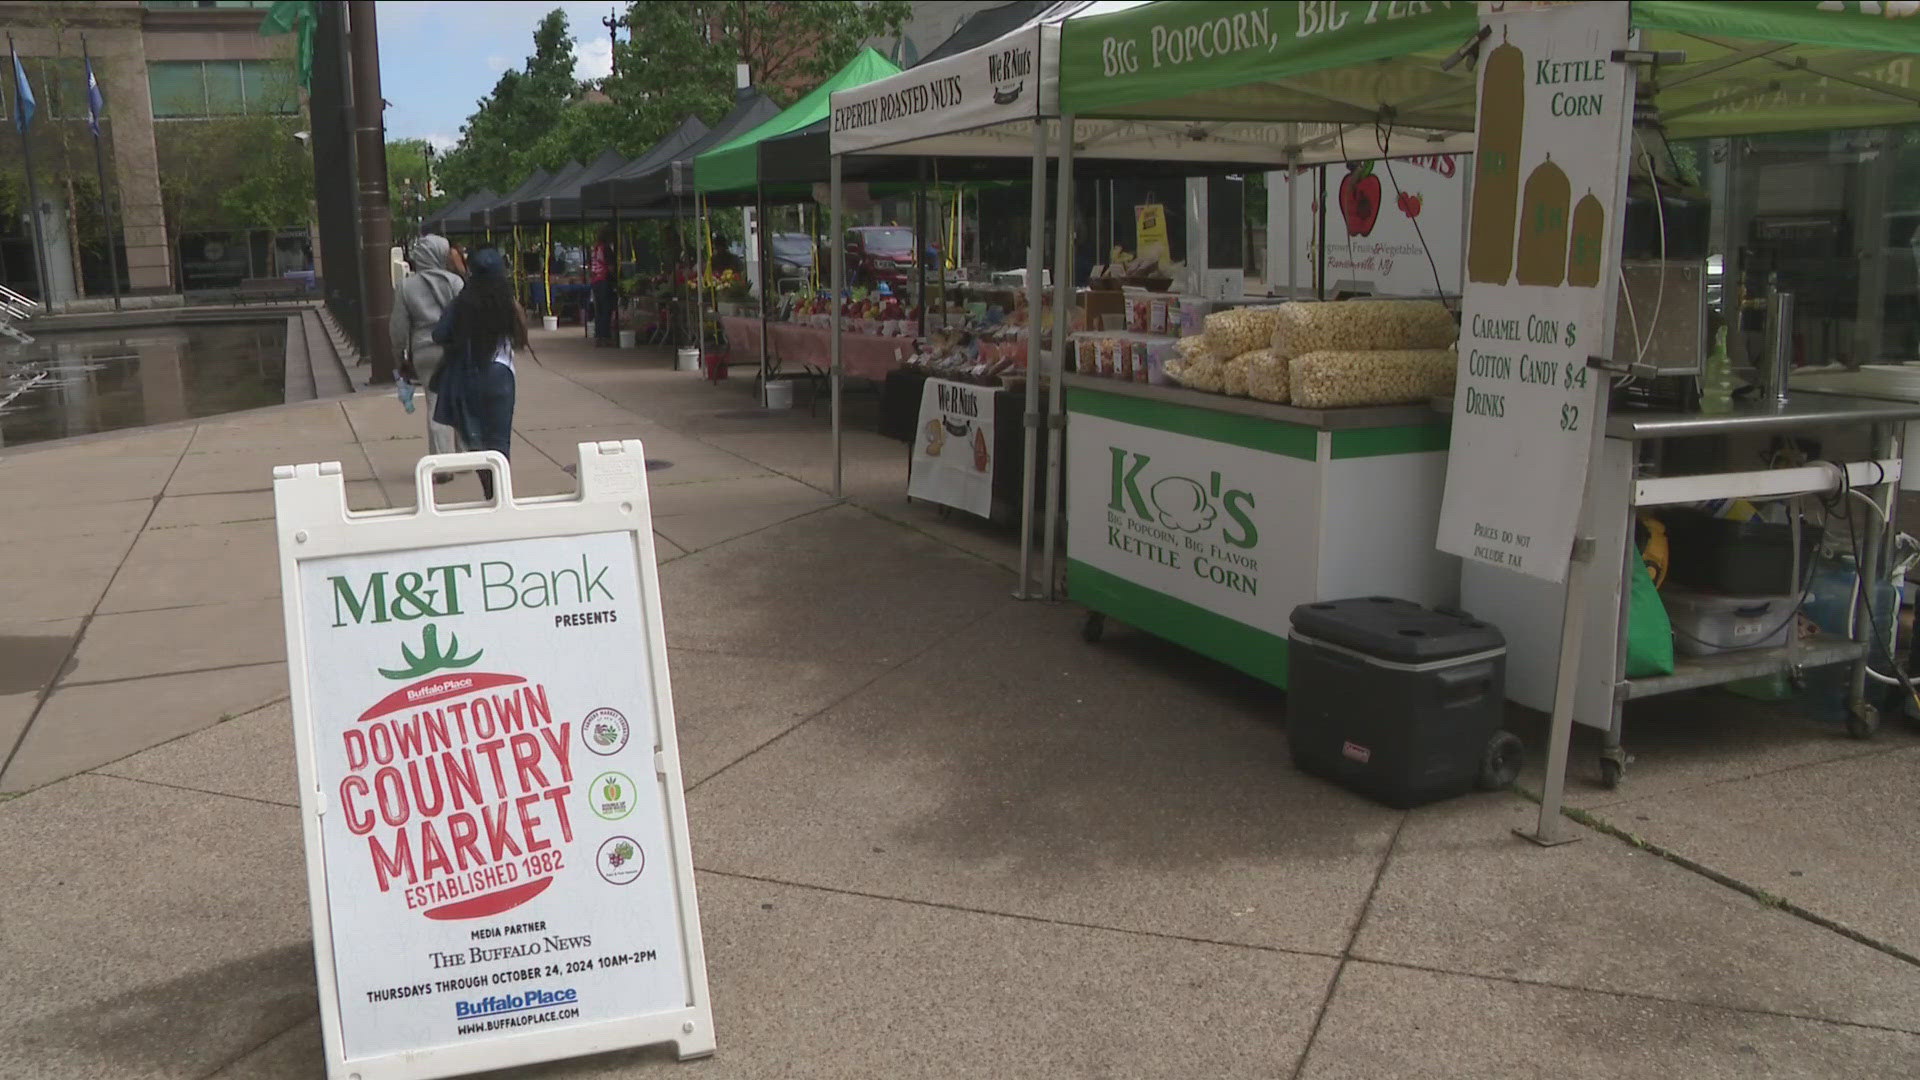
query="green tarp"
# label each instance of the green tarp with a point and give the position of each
(1751, 65)
(736, 165)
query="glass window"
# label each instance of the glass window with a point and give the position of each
(178, 87)
(225, 93)
(269, 87)
(1829, 216)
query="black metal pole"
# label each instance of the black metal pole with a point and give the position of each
(762, 247)
(370, 160)
(33, 191)
(100, 169)
(920, 237)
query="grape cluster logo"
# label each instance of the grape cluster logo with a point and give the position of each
(620, 860)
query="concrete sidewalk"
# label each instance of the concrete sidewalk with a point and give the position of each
(937, 834)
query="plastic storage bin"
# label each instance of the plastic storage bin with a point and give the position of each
(1740, 558)
(1398, 702)
(1706, 625)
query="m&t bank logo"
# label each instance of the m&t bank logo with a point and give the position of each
(1205, 529)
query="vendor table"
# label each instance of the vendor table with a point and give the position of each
(743, 337)
(1207, 519)
(1624, 480)
(862, 356)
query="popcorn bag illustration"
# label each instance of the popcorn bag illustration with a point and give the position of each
(1541, 258)
(1496, 180)
(1585, 242)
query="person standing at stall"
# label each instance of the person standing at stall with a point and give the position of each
(481, 329)
(600, 266)
(419, 301)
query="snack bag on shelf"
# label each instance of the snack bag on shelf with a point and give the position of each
(1206, 373)
(1267, 377)
(1242, 329)
(1332, 379)
(1234, 380)
(1361, 325)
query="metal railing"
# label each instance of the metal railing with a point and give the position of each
(16, 309)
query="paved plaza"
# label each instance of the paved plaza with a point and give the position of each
(937, 834)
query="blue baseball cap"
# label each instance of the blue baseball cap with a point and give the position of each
(488, 262)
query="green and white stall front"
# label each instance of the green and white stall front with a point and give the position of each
(1206, 520)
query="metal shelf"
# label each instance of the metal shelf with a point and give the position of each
(1695, 672)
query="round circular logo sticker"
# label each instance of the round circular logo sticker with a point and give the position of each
(620, 860)
(612, 796)
(604, 731)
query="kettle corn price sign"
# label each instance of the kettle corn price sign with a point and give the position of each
(496, 838)
(1542, 253)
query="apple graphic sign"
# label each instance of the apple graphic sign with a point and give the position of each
(1360, 198)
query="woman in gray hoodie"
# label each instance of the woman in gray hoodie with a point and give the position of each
(418, 302)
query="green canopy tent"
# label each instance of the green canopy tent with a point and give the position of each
(735, 166)
(1349, 78)
(1750, 66)
(732, 171)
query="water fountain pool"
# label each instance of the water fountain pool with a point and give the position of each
(77, 382)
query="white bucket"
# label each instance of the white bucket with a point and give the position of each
(626, 339)
(779, 393)
(687, 360)
(549, 322)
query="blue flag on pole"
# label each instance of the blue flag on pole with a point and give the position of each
(94, 101)
(23, 103)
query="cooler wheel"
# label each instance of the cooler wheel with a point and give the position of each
(1094, 628)
(1863, 721)
(1613, 767)
(1500, 763)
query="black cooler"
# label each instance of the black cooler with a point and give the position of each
(1398, 702)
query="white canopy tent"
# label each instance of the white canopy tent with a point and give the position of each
(1002, 100)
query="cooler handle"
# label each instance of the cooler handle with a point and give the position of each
(1464, 685)
(1753, 611)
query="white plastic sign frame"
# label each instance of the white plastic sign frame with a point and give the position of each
(410, 994)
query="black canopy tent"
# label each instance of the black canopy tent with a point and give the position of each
(986, 25)
(653, 185)
(607, 193)
(457, 218)
(561, 202)
(520, 211)
(489, 216)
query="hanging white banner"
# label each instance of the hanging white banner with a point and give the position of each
(953, 447)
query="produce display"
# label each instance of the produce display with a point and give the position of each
(1334, 379)
(984, 357)
(1361, 325)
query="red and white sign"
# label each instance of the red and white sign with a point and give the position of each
(496, 837)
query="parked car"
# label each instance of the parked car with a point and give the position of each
(880, 253)
(792, 254)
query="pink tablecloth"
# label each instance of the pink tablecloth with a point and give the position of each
(862, 356)
(743, 338)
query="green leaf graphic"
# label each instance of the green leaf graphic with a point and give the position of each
(431, 658)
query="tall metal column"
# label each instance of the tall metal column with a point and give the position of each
(370, 156)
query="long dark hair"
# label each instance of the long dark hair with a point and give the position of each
(485, 310)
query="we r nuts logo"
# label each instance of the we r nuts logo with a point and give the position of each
(1175, 521)
(1008, 71)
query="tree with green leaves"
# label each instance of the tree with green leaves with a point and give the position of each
(524, 106)
(680, 55)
